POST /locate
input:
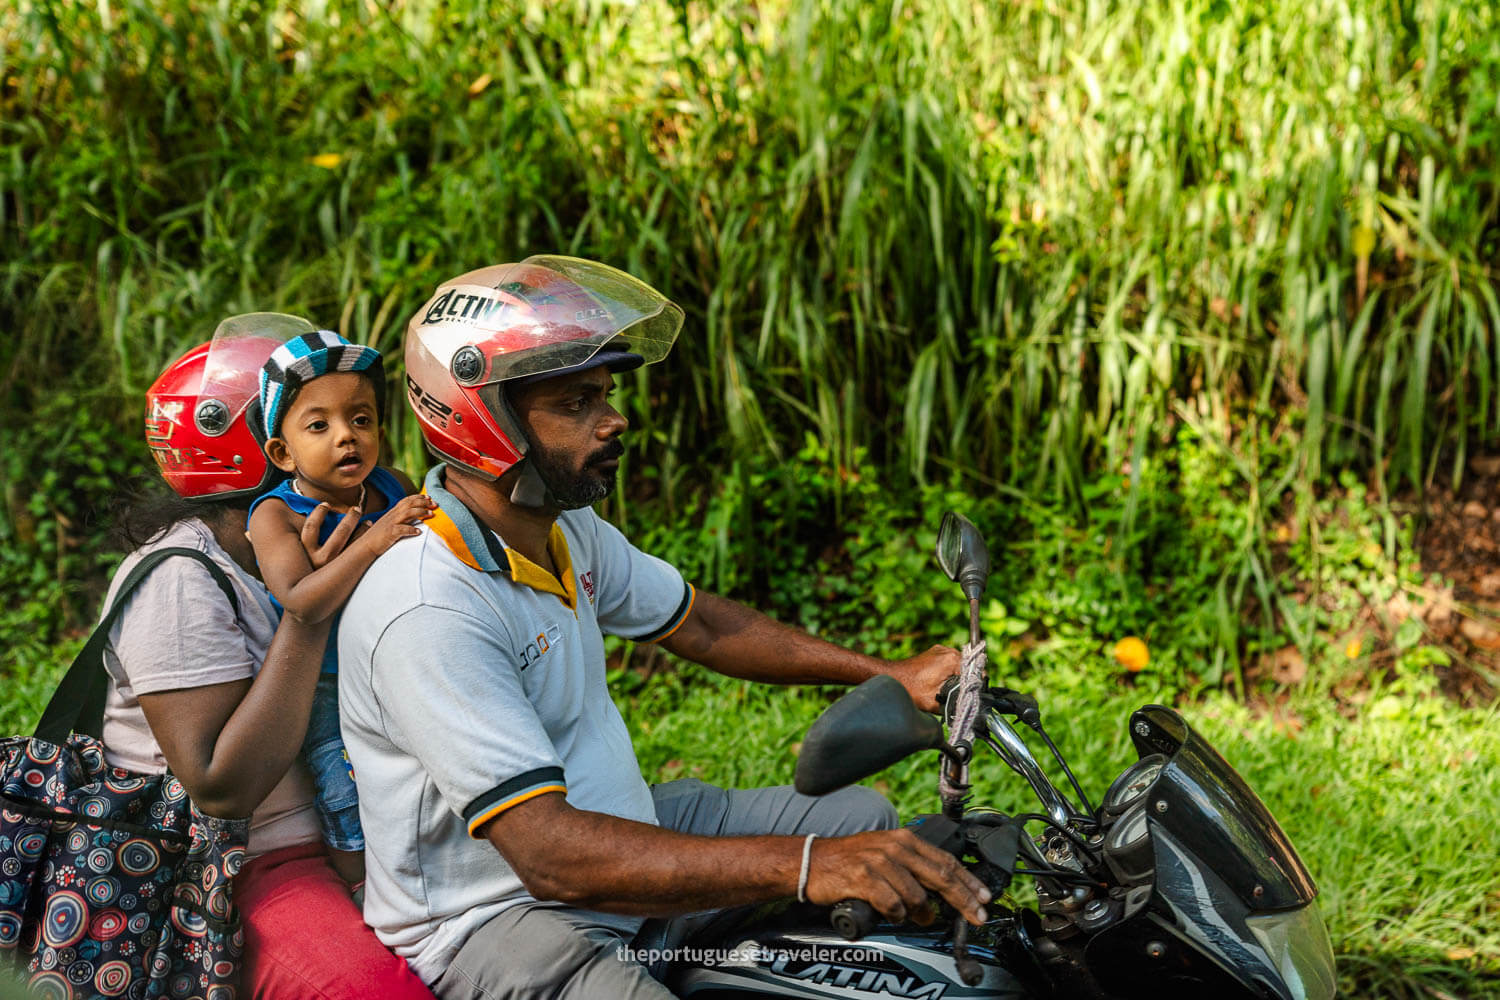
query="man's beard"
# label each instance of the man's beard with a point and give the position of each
(573, 489)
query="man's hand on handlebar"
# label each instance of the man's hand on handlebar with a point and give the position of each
(924, 673)
(892, 871)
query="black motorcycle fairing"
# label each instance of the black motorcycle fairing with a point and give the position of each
(813, 963)
(1204, 805)
(1188, 937)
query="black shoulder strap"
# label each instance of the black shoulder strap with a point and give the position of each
(78, 703)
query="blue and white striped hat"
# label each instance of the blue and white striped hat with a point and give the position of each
(304, 358)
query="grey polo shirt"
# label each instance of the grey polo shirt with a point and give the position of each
(471, 680)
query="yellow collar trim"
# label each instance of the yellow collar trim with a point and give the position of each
(522, 570)
(529, 574)
(442, 525)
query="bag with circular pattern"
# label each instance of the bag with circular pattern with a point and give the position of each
(111, 883)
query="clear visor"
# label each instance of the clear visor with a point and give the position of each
(239, 349)
(544, 314)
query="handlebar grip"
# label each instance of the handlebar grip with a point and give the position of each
(853, 919)
(946, 689)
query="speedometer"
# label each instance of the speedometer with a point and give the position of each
(1131, 785)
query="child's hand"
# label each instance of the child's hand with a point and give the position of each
(321, 553)
(399, 522)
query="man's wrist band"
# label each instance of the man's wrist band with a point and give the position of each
(806, 863)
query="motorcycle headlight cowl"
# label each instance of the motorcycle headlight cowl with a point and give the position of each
(1297, 941)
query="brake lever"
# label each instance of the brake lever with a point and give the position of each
(1008, 701)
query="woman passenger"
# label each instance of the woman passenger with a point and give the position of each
(222, 699)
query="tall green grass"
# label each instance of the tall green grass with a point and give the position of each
(1024, 239)
(1145, 276)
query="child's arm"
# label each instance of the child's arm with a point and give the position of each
(312, 595)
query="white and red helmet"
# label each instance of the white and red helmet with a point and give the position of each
(196, 411)
(508, 322)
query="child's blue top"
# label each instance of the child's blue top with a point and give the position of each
(382, 481)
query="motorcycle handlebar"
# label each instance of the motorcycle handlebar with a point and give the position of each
(853, 919)
(1004, 700)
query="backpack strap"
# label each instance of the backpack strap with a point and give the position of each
(78, 703)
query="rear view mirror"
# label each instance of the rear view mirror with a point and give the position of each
(865, 731)
(962, 554)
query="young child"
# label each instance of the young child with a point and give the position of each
(321, 399)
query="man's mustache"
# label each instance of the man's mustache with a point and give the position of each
(614, 449)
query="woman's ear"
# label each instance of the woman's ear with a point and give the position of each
(280, 456)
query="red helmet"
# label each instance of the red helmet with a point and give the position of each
(196, 423)
(540, 317)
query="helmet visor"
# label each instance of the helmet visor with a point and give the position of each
(545, 314)
(240, 347)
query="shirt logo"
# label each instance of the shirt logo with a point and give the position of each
(587, 579)
(538, 647)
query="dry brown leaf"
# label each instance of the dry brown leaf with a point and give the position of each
(1480, 634)
(1476, 509)
(1441, 608)
(1288, 666)
(1485, 465)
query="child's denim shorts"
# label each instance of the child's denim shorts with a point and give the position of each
(323, 750)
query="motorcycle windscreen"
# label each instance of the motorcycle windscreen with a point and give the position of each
(1209, 809)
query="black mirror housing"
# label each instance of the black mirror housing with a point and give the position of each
(963, 555)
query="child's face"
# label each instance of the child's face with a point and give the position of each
(330, 437)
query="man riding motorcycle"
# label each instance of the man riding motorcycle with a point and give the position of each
(513, 846)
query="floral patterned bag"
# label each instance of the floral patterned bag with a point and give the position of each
(111, 883)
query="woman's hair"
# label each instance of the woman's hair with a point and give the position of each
(147, 509)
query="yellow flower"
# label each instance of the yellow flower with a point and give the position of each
(1352, 650)
(327, 161)
(1132, 654)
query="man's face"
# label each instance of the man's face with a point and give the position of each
(574, 434)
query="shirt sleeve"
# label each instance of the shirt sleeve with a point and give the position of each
(636, 595)
(451, 695)
(177, 630)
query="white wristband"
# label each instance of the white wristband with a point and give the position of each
(806, 863)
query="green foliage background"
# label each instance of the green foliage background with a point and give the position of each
(1171, 298)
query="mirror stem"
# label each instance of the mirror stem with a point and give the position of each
(975, 635)
(959, 755)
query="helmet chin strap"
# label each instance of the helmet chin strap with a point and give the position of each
(528, 489)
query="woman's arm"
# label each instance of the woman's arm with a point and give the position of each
(230, 743)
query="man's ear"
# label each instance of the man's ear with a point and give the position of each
(280, 456)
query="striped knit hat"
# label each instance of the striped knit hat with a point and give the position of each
(304, 358)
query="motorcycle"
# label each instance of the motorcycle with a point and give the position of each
(1179, 884)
